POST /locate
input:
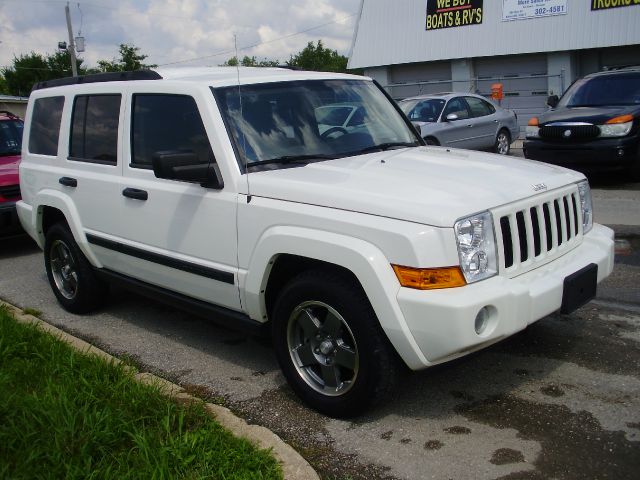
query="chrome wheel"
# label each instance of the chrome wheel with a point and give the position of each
(322, 348)
(502, 143)
(63, 269)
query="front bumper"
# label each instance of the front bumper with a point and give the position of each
(9, 222)
(605, 154)
(442, 322)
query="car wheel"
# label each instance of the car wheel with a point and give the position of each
(70, 275)
(330, 345)
(503, 143)
(431, 141)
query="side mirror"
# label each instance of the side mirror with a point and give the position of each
(185, 166)
(451, 117)
(552, 101)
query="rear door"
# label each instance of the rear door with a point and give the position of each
(175, 234)
(484, 123)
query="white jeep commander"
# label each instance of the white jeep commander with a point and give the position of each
(252, 196)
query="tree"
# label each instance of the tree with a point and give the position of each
(36, 67)
(129, 60)
(317, 57)
(250, 62)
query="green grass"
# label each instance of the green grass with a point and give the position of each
(67, 415)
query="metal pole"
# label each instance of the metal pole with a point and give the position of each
(72, 45)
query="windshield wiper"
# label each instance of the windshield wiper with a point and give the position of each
(293, 159)
(383, 146)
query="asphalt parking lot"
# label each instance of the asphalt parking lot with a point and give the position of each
(559, 400)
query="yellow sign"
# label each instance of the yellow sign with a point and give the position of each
(453, 13)
(606, 4)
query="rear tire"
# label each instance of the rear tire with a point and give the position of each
(330, 345)
(70, 274)
(503, 143)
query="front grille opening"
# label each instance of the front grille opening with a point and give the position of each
(522, 237)
(537, 244)
(547, 226)
(507, 241)
(575, 213)
(567, 217)
(556, 206)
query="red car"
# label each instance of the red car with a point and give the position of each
(10, 148)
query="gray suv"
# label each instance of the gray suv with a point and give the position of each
(462, 120)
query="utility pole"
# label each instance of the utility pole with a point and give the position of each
(72, 45)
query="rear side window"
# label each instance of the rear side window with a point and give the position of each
(479, 107)
(45, 126)
(163, 123)
(94, 129)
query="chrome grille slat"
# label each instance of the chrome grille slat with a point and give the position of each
(537, 230)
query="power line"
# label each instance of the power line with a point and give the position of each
(248, 47)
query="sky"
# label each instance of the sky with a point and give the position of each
(177, 32)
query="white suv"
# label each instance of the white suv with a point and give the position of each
(215, 189)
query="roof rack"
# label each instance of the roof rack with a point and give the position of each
(8, 114)
(98, 78)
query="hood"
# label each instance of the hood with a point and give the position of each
(428, 185)
(594, 115)
(9, 170)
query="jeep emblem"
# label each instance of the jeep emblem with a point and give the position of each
(539, 186)
(567, 133)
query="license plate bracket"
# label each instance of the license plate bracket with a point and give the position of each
(579, 288)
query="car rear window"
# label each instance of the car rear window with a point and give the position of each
(94, 129)
(45, 125)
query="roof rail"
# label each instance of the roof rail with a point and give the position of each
(98, 78)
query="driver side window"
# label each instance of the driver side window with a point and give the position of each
(457, 106)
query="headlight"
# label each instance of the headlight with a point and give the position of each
(586, 206)
(615, 129)
(533, 129)
(477, 247)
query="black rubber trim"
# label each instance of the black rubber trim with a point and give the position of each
(99, 78)
(220, 315)
(219, 275)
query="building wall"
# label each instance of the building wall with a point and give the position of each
(17, 107)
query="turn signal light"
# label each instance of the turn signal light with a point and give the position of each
(429, 278)
(533, 122)
(621, 119)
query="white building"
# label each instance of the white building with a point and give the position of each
(535, 48)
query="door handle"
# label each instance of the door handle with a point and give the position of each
(135, 193)
(68, 182)
(469, 126)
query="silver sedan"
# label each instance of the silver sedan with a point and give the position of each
(462, 120)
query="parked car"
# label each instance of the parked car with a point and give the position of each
(359, 254)
(595, 126)
(10, 147)
(462, 120)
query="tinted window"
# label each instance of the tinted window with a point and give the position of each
(479, 107)
(458, 107)
(614, 89)
(10, 137)
(45, 125)
(426, 110)
(94, 128)
(163, 123)
(358, 118)
(334, 116)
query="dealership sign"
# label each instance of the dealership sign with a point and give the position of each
(522, 9)
(605, 4)
(453, 13)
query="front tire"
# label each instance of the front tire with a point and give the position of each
(330, 346)
(70, 274)
(503, 143)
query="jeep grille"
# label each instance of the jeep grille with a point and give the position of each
(538, 230)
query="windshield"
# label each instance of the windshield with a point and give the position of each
(300, 121)
(10, 137)
(614, 89)
(423, 110)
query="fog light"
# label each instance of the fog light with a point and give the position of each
(620, 152)
(482, 320)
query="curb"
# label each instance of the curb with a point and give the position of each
(294, 467)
